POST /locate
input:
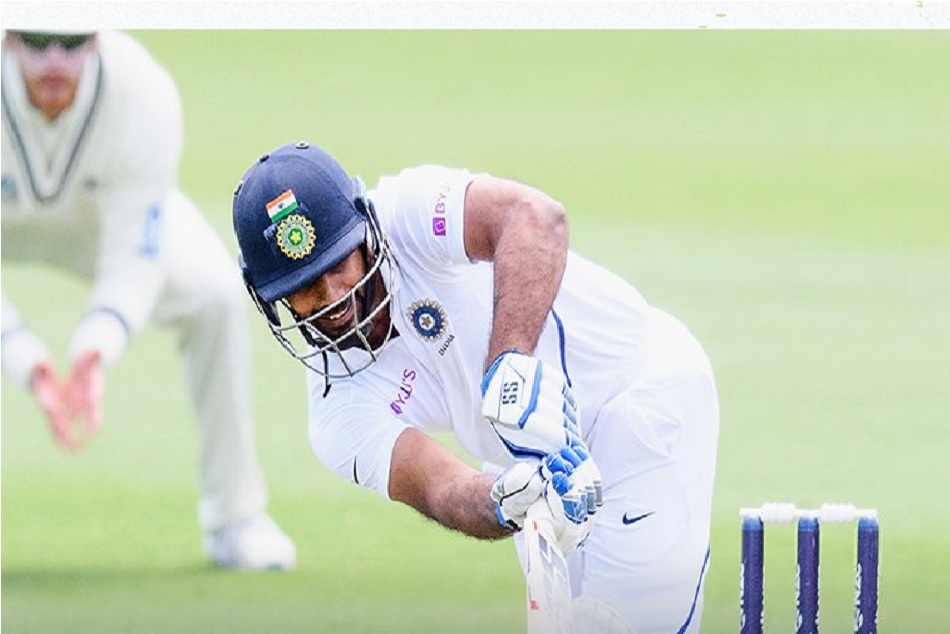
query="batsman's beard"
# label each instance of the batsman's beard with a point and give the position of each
(356, 321)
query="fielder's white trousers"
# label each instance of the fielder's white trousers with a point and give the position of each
(204, 301)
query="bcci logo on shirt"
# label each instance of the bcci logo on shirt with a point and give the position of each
(428, 319)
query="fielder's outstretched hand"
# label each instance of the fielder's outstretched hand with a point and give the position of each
(83, 396)
(529, 405)
(48, 395)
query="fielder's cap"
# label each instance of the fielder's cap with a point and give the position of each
(295, 218)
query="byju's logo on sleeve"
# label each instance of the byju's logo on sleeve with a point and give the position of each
(439, 222)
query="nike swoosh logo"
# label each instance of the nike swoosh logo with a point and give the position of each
(633, 520)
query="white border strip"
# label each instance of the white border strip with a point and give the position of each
(906, 14)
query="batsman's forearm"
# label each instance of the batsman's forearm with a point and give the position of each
(465, 505)
(529, 263)
(430, 479)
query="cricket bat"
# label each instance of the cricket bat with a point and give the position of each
(548, 581)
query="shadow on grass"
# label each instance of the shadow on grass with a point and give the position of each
(127, 579)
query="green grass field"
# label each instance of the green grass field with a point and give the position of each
(784, 193)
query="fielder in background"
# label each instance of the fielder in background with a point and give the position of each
(445, 300)
(92, 134)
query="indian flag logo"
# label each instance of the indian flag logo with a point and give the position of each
(281, 206)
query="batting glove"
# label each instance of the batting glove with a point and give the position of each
(565, 483)
(566, 501)
(515, 490)
(530, 484)
(529, 405)
(587, 473)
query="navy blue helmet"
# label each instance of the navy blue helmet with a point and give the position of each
(297, 215)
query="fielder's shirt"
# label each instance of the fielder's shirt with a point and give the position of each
(85, 192)
(601, 334)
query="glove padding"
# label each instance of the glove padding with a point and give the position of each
(564, 487)
(587, 473)
(515, 490)
(529, 405)
(568, 499)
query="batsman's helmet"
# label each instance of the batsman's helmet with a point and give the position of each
(297, 215)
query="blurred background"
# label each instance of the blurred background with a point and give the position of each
(785, 193)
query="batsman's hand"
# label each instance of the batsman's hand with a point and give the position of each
(567, 502)
(529, 405)
(586, 473)
(48, 395)
(515, 490)
(83, 396)
(564, 487)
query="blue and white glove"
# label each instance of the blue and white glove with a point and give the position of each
(568, 502)
(576, 461)
(515, 490)
(587, 474)
(529, 405)
(549, 488)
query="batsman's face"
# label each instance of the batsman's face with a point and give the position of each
(331, 299)
(336, 302)
(52, 65)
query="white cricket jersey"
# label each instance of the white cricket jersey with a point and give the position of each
(429, 377)
(86, 192)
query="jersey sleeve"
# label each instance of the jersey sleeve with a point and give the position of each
(422, 210)
(143, 112)
(353, 433)
(20, 349)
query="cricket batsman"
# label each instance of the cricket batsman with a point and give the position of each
(92, 135)
(446, 300)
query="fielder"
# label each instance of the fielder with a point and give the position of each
(444, 300)
(92, 133)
